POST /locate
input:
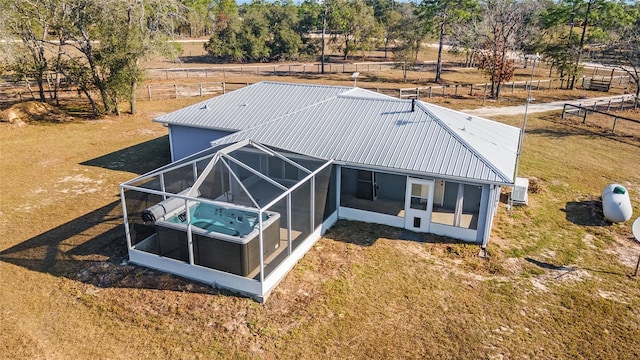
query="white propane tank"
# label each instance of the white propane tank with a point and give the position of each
(616, 204)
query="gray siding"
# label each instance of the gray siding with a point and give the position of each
(187, 140)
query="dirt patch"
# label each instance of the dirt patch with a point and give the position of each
(33, 111)
(626, 250)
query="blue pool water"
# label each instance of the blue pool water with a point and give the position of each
(219, 219)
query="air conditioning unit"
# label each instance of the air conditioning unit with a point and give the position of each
(520, 193)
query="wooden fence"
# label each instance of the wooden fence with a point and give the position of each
(477, 89)
(177, 91)
(598, 114)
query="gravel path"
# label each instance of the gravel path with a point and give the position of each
(534, 108)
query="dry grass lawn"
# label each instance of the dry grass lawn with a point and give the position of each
(556, 283)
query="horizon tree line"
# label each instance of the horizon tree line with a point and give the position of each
(99, 44)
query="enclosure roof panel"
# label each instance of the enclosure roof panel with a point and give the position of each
(252, 105)
(385, 132)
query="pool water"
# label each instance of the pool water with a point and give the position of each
(218, 219)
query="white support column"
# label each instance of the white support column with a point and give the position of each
(459, 205)
(289, 242)
(127, 231)
(189, 233)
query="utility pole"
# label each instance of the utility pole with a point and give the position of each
(533, 59)
(324, 26)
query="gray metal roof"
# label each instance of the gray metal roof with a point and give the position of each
(251, 105)
(386, 133)
(357, 126)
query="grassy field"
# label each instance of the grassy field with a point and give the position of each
(556, 283)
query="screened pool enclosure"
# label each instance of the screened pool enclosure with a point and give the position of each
(237, 217)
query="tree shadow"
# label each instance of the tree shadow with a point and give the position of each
(565, 269)
(557, 133)
(92, 249)
(138, 159)
(585, 213)
(578, 128)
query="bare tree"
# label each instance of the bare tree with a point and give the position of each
(624, 53)
(503, 24)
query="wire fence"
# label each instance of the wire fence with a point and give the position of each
(24, 91)
(271, 70)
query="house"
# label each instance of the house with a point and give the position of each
(260, 173)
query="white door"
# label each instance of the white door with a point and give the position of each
(418, 205)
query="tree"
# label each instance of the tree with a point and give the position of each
(387, 15)
(465, 39)
(355, 26)
(409, 32)
(405, 58)
(503, 24)
(440, 15)
(623, 52)
(285, 42)
(254, 32)
(558, 42)
(30, 22)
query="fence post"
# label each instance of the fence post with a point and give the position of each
(538, 88)
(399, 93)
(594, 105)
(224, 87)
(550, 82)
(205, 73)
(613, 129)
(444, 89)
(175, 90)
(149, 91)
(342, 67)
(513, 86)
(564, 110)
(471, 90)
(241, 70)
(166, 74)
(289, 70)
(200, 89)
(224, 72)
(622, 103)
(417, 93)
(257, 70)
(187, 72)
(456, 91)
(430, 91)
(274, 71)
(609, 105)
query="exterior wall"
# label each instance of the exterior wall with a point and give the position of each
(186, 141)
